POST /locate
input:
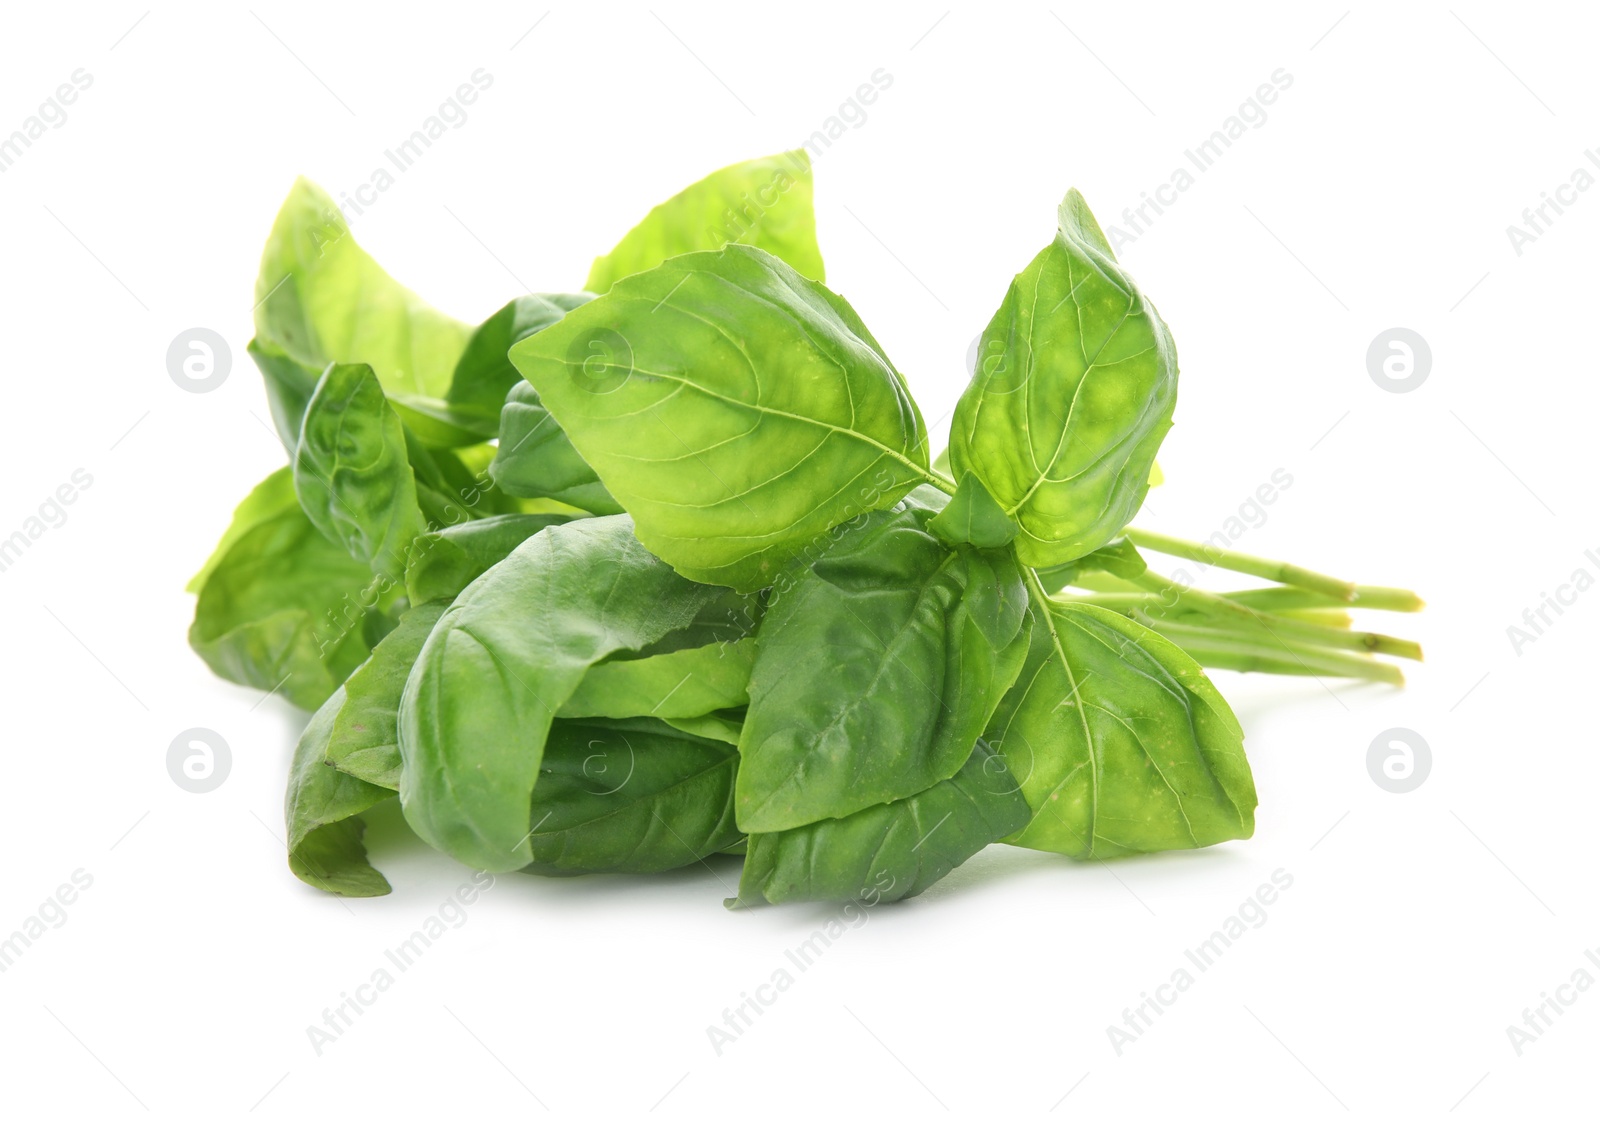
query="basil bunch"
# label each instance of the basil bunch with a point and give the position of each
(622, 579)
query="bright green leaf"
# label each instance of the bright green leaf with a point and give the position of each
(272, 497)
(364, 739)
(322, 299)
(765, 203)
(352, 473)
(687, 683)
(443, 562)
(286, 610)
(322, 811)
(1121, 743)
(1118, 557)
(724, 725)
(1074, 390)
(734, 408)
(484, 375)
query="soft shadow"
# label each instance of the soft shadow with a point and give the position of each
(999, 864)
(410, 863)
(416, 870)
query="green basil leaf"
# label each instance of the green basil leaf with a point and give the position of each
(364, 739)
(322, 811)
(289, 385)
(890, 851)
(974, 518)
(630, 797)
(765, 203)
(443, 562)
(535, 459)
(453, 485)
(676, 684)
(734, 408)
(321, 299)
(270, 498)
(723, 725)
(1119, 557)
(501, 662)
(1073, 392)
(877, 669)
(352, 473)
(286, 610)
(483, 375)
(438, 424)
(1120, 742)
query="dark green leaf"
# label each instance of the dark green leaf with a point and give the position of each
(484, 375)
(890, 851)
(322, 811)
(535, 459)
(877, 668)
(289, 386)
(630, 797)
(438, 424)
(500, 664)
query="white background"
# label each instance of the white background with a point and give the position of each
(1376, 194)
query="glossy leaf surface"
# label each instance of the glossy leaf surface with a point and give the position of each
(686, 683)
(444, 562)
(734, 408)
(535, 460)
(631, 796)
(1120, 742)
(501, 662)
(352, 473)
(286, 610)
(322, 812)
(890, 851)
(483, 376)
(877, 669)
(363, 740)
(321, 298)
(1075, 386)
(765, 203)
